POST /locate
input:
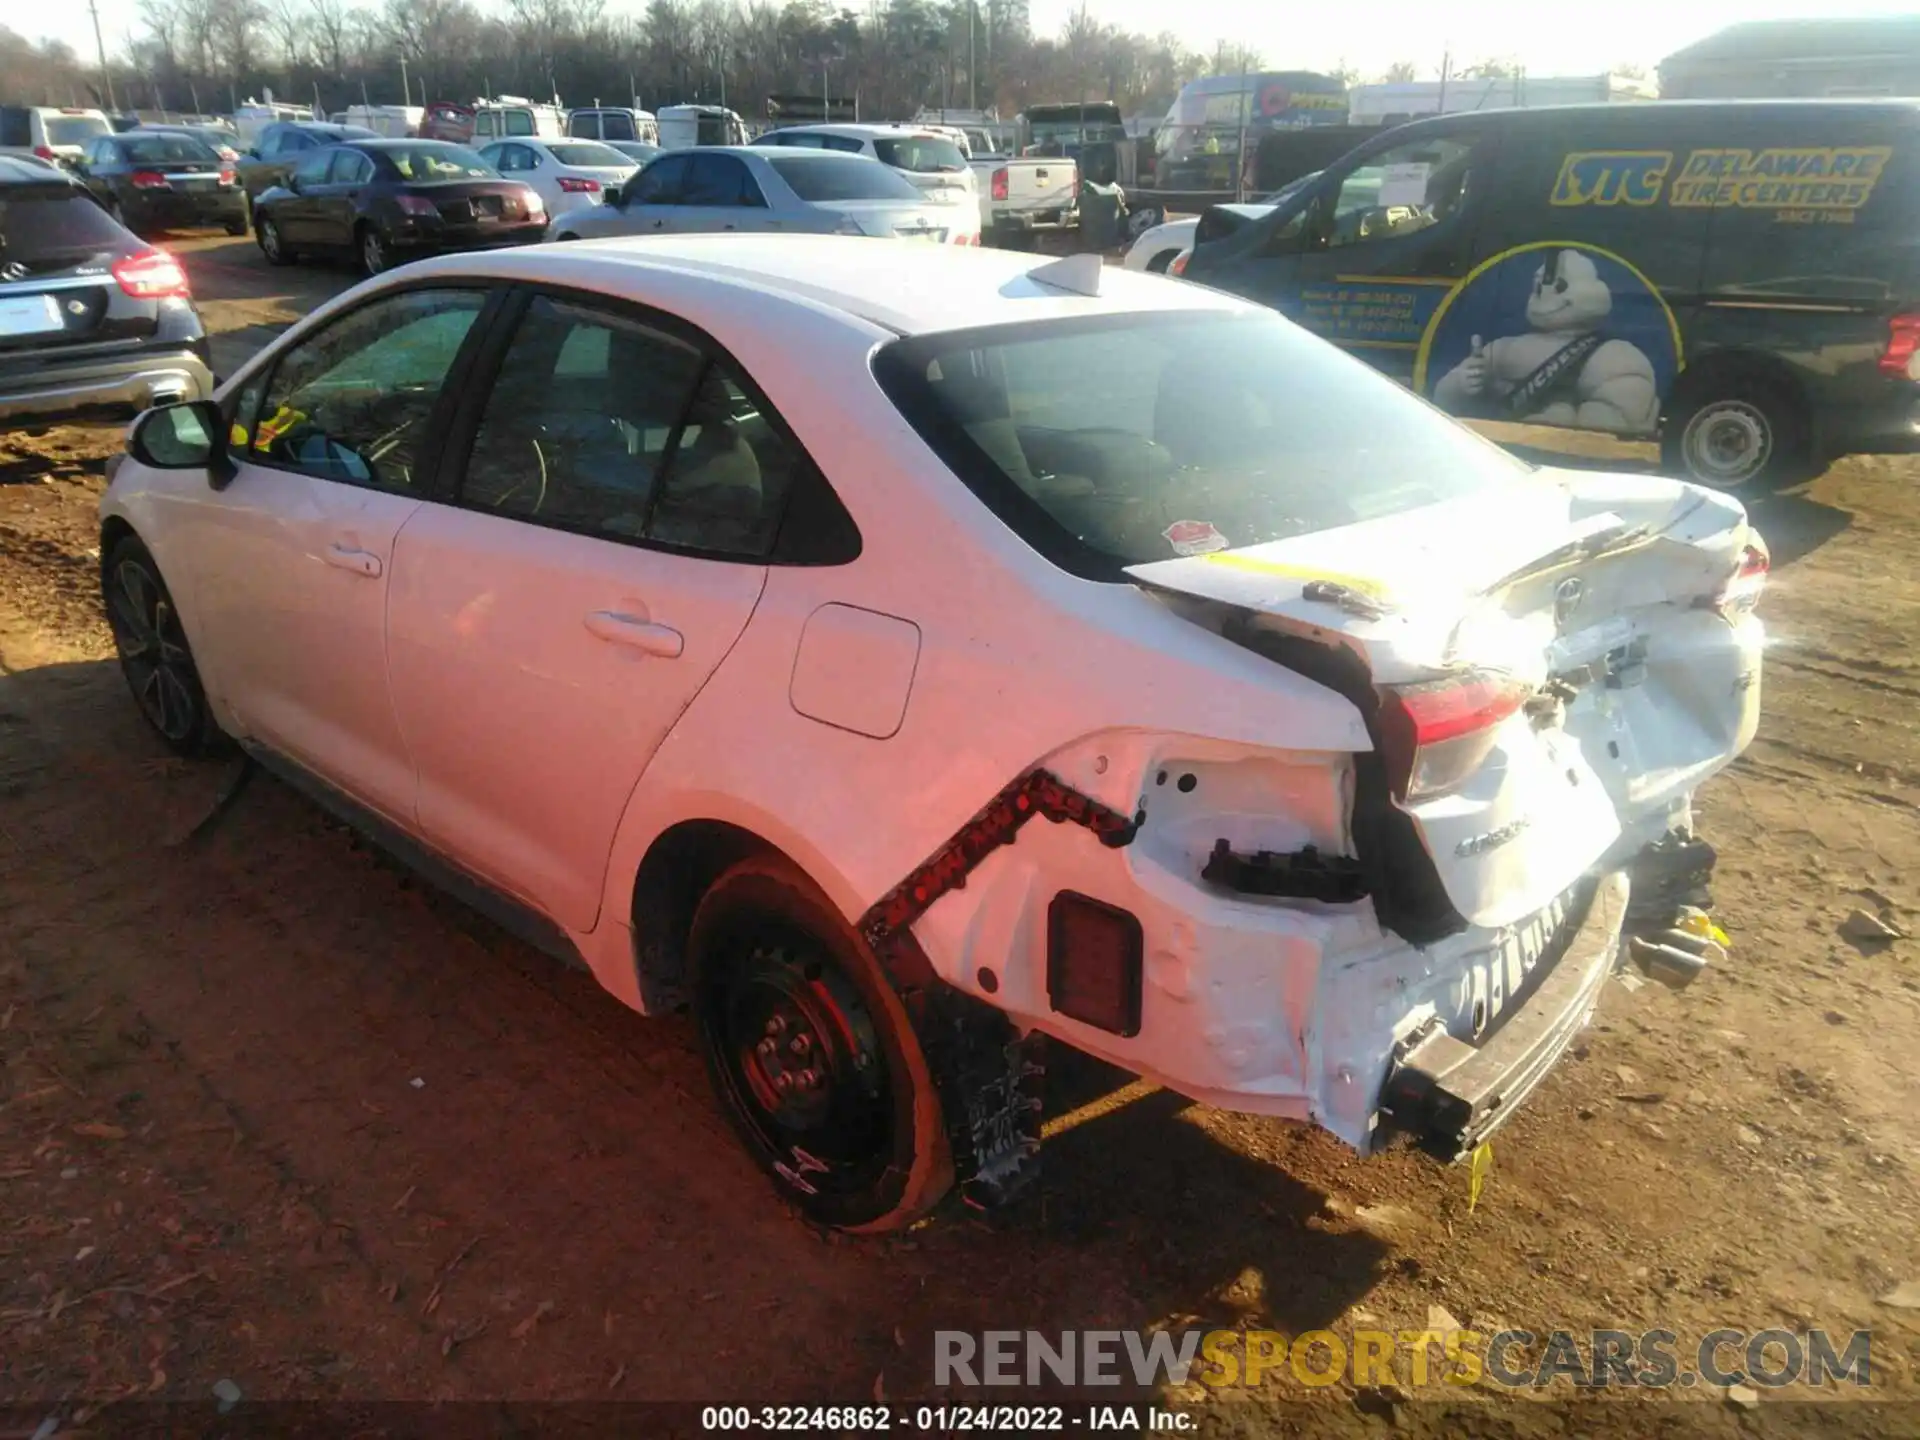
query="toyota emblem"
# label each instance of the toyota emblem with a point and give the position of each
(13, 270)
(1567, 596)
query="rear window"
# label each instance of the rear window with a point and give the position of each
(823, 177)
(603, 157)
(75, 129)
(428, 163)
(616, 126)
(164, 149)
(922, 154)
(38, 224)
(1120, 440)
(516, 122)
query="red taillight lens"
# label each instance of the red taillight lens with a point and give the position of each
(1903, 348)
(151, 275)
(415, 205)
(1742, 591)
(1000, 183)
(1433, 737)
(45, 152)
(1179, 265)
(228, 176)
(149, 180)
(575, 185)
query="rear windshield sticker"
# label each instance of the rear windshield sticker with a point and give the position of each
(1194, 537)
(1838, 179)
(1553, 334)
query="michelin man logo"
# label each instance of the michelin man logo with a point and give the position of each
(1566, 369)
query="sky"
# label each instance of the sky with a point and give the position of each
(1577, 39)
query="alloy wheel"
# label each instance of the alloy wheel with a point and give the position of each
(153, 650)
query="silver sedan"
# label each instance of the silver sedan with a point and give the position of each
(803, 192)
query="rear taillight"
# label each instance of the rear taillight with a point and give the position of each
(1741, 593)
(1000, 183)
(1901, 358)
(577, 185)
(149, 180)
(228, 175)
(1179, 265)
(415, 205)
(45, 152)
(1434, 736)
(151, 275)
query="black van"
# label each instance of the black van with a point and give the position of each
(1737, 278)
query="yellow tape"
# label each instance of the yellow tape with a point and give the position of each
(1306, 574)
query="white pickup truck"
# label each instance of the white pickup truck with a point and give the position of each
(1021, 197)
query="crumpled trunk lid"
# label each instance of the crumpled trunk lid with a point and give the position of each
(1597, 593)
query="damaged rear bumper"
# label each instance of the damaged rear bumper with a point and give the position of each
(1450, 1095)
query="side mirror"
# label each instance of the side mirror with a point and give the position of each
(183, 437)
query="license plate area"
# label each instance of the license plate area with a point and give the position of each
(30, 315)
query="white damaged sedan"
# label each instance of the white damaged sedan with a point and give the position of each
(721, 612)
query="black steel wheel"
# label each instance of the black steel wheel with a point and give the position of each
(154, 655)
(812, 1054)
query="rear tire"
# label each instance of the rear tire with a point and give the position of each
(1740, 433)
(375, 258)
(154, 655)
(237, 227)
(811, 1052)
(1159, 263)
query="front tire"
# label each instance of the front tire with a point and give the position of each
(154, 655)
(811, 1052)
(271, 245)
(1741, 434)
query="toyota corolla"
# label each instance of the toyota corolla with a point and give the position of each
(901, 659)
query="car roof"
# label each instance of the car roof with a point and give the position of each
(407, 142)
(921, 289)
(865, 130)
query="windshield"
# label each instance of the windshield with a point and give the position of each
(818, 176)
(922, 154)
(1119, 440)
(75, 129)
(590, 156)
(428, 163)
(164, 149)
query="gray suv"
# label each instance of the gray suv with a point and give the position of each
(91, 316)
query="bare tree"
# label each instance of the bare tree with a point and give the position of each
(1401, 72)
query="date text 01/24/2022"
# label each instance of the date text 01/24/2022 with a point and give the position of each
(944, 1419)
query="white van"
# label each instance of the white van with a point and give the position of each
(250, 119)
(54, 133)
(395, 122)
(684, 126)
(613, 122)
(515, 115)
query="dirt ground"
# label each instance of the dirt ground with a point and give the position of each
(272, 1114)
